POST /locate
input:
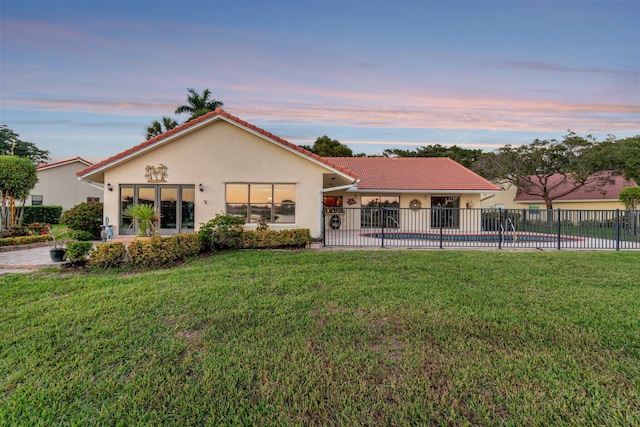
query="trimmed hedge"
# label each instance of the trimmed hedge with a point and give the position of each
(272, 239)
(42, 213)
(108, 255)
(151, 253)
(25, 240)
(160, 251)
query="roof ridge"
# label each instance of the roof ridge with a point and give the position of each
(222, 113)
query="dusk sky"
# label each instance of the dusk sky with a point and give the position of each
(85, 78)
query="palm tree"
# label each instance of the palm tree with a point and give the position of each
(199, 105)
(155, 128)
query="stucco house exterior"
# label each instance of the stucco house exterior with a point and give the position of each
(604, 198)
(220, 163)
(59, 185)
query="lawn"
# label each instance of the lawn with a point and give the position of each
(328, 338)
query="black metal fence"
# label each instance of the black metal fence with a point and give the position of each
(491, 228)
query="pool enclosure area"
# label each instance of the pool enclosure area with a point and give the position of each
(442, 227)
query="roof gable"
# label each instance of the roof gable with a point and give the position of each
(64, 162)
(204, 120)
(413, 174)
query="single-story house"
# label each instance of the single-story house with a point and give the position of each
(58, 185)
(220, 163)
(585, 198)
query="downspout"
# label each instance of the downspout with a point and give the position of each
(327, 190)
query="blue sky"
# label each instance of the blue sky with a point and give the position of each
(85, 78)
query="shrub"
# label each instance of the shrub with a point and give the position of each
(84, 217)
(83, 236)
(42, 213)
(77, 252)
(148, 253)
(38, 228)
(271, 239)
(160, 251)
(15, 232)
(24, 240)
(108, 255)
(221, 232)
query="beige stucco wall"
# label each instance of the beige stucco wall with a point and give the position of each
(221, 153)
(59, 185)
(577, 205)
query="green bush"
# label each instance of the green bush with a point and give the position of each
(159, 251)
(148, 253)
(42, 213)
(24, 240)
(38, 228)
(271, 239)
(15, 232)
(77, 252)
(108, 255)
(83, 236)
(85, 217)
(222, 232)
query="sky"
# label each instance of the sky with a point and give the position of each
(85, 78)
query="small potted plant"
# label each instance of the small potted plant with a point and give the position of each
(145, 217)
(59, 242)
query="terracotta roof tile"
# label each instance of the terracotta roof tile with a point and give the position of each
(421, 174)
(64, 162)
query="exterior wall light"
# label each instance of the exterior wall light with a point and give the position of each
(109, 187)
(201, 187)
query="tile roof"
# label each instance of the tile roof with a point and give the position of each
(64, 162)
(415, 173)
(217, 113)
(606, 192)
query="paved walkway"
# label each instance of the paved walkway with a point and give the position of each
(25, 260)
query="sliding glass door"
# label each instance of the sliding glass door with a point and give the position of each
(176, 204)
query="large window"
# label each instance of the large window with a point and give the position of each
(371, 214)
(176, 204)
(274, 202)
(445, 212)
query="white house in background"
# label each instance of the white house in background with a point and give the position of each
(220, 163)
(58, 184)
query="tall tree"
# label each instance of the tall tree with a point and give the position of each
(534, 168)
(198, 105)
(466, 157)
(18, 176)
(155, 128)
(628, 157)
(327, 147)
(11, 145)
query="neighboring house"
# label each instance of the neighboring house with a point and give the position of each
(58, 184)
(603, 198)
(220, 163)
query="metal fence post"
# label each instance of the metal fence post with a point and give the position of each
(559, 229)
(499, 228)
(323, 229)
(617, 229)
(441, 218)
(381, 218)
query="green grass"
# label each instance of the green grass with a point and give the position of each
(328, 338)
